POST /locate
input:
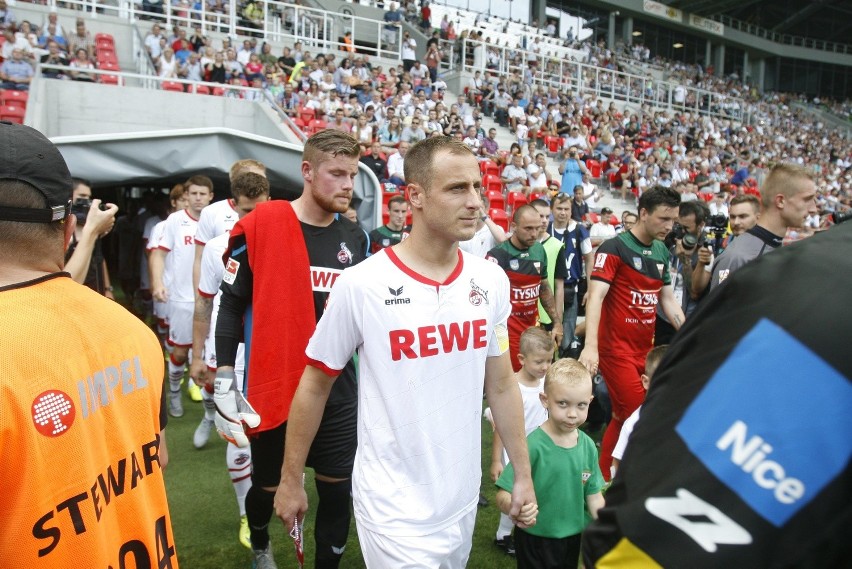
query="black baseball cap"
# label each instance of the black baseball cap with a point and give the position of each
(606, 210)
(28, 156)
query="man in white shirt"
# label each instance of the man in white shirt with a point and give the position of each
(396, 170)
(408, 51)
(514, 176)
(417, 471)
(603, 229)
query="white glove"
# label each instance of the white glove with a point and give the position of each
(233, 412)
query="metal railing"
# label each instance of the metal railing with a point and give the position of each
(145, 81)
(277, 21)
(585, 79)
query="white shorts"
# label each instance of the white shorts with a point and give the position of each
(161, 312)
(445, 549)
(180, 323)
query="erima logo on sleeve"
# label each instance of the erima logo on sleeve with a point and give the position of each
(751, 425)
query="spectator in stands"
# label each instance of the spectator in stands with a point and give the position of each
(538, 176)
(502, 100)
(340, 122)
(50, 35)
(516, 112)
(254, 68)
(81, 38)
(216, 71)
(572, 171)
(192, 69)
(14, 42)
(53, 57)
(490, 148)
(433, 59)
(472, 141)
(7, 17)
(396, 174)
(603, 229)
(363, 132)
(53, 20)
(16, 73)
(152, 42)
(744, 213)
(375, 162)
(579, 207)
(182, 48)
(252, 15)
(390, 134)
(286, 62)
(167, 67)
(393, 19)
(413, 133)
(515, 176)
(235, 68)
(197, 41)
(152, 6)
(408, 51)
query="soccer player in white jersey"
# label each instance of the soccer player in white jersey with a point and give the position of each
(252, 188)
(151, 236)
(177, 249)
(429, 323)
(219, 217)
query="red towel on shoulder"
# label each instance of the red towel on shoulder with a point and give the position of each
(283, 316)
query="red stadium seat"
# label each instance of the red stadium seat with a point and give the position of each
(594, 168)
(110, 79)
(104, 37)
(487, 167)
(492, 183)
(13, 113)
(316, 125)
(106, 55)
(515, 200)
(202, 89)
(500, 217)
(109, 66)
(218, 91)
(307, 115)
(172, 86)
(299, 123)
(539, 196)
(553, 143)
(12, 97)
(496, 199)
(594, 217)
(104, 44)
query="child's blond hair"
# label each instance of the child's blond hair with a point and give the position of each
(568, 372)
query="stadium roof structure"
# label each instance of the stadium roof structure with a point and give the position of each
(825, 20)
(828, 20)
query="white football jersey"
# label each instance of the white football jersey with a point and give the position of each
(422, 347)
(154, 239)
(179, 240)
(216, 219)
(212, 270)
(144, 276)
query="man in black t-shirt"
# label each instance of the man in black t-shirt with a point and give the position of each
(265, 287)
(375, 162)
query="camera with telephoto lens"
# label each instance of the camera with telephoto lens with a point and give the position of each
(687, 240)
(80, 208)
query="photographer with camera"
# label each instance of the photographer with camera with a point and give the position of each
(686, 239)
(84, 259)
